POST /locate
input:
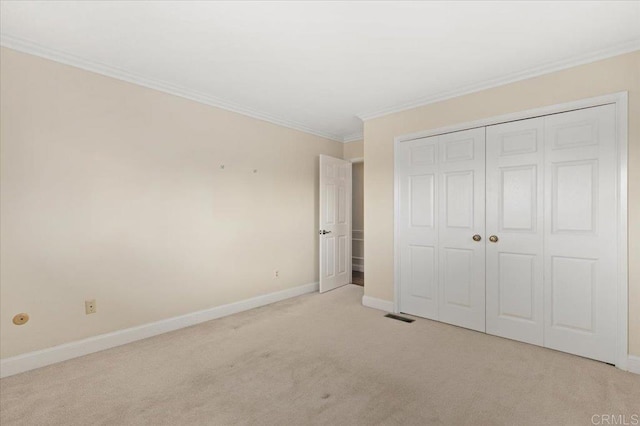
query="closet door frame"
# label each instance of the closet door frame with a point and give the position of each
(620, 100)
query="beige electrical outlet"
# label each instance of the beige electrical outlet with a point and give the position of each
(90, 306)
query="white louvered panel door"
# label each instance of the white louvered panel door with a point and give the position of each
(580, 232)
(418, 233)
(515, 211)
(461, 215)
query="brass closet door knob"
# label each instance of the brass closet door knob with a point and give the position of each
(493, 239)
(477, 237)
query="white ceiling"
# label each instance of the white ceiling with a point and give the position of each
(317, 66)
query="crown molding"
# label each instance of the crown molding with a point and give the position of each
(352, 137)
(36, 49)
(32, 48)
(620, 49)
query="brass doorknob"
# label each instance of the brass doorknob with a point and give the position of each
(477, 237)
(493, 239)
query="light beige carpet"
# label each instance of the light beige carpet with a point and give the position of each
(320, 359)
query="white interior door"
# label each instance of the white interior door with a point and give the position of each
(551, 223)
(461, 216)
(335, 223)
(580, 232)
(418, 174)
(441, 200)
(515, 211)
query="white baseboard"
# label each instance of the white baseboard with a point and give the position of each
(359, 268)
(44, 357)
(633, 365)
(372, 302)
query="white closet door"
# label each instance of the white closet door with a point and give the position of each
(551, 208)
(580, 232)
(418, 235)
(515, 267)
(461, 215)
(441, 198)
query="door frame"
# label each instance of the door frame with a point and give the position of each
(620, 100)
(354, 161)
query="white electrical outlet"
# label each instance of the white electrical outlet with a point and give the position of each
(90, 306)
(276, 274)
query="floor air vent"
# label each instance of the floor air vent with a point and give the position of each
(399, 318)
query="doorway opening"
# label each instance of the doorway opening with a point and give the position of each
(357, 213)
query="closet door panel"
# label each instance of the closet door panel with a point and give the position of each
(461, 262)
(514, 206)
(580, 233)
(418, 182)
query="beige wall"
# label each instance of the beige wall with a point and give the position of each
(617, 74)
(114, 191)
(353, 150)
